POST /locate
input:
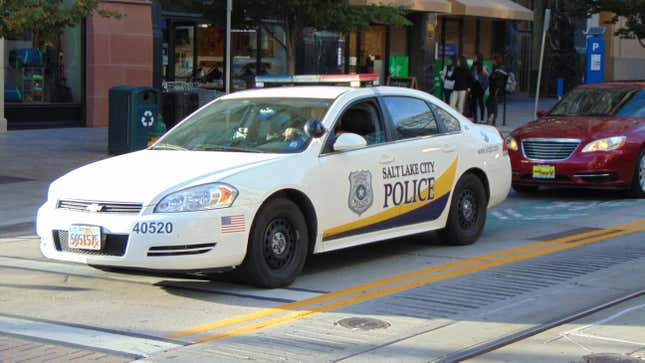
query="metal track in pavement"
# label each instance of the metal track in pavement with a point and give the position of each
(513, 338)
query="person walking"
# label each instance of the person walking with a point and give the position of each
(448, 85)
(497, 84)
(480, 74)
(461, 76)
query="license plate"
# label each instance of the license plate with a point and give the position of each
(84, 237)
(544, 171)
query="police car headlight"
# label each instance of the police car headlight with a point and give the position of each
(203, 197)
(608, 144)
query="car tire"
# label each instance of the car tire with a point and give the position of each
(638, 181)
(277, 247)
(524, 188)
(467, 215)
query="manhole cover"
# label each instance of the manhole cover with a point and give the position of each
(363, 323)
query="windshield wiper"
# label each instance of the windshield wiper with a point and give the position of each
(226, 148)
(168, 147)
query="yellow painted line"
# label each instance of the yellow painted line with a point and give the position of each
(410, 285)
(388, 281)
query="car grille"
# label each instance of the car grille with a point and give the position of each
(179, 250)
(112, 244)
(100, 207)
(549, 149)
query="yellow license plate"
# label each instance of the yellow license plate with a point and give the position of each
(84, 237)
(543, 171)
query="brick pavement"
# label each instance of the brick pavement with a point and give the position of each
(15, 350)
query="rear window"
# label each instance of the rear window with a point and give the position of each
(601, 102)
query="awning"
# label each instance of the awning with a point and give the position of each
(497, 9)
(431, 6)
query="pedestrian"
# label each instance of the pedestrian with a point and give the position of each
(461, 77)
(448, 85)
(496, 87)
(480, 74)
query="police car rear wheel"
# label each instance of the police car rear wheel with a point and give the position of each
(467, 214)
(277, 245)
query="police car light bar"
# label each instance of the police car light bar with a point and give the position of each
(354, 80)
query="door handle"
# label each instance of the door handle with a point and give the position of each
(387, 159)
(448, 148)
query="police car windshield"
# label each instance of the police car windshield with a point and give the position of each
(598, 102)
(271, 125)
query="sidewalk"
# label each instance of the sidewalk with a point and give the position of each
(31, 159)
(519, 110)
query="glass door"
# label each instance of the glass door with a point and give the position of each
(184, 52)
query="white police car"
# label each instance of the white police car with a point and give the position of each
(258, 180)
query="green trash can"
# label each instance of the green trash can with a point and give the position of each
(134, 110)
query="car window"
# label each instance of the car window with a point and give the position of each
(634, 106)
(273, 125)
(362, 119)
(411, 117)
(449, 121)
(592, 102)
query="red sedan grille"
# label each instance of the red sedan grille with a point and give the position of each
(549, 149)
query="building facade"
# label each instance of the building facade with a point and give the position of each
(63, 80)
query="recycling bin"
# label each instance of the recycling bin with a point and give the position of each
(132, 115)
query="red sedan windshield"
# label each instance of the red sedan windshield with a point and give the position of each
(623, 102)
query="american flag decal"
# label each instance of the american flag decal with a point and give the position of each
(232, 224)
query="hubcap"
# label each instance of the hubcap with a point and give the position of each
(642, 173)
(467, 209)
(279, 243)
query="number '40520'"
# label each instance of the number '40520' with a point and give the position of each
(153, 227)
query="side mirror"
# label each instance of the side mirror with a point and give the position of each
(314, 128)
(541, 113)
(349, 141)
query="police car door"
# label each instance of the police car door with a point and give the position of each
(351, 192)
(417, 186)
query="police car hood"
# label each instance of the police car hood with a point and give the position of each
(141, 177)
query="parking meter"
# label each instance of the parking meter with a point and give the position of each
(595, 55)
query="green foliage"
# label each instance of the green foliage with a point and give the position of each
(632, 10)
(44, 17)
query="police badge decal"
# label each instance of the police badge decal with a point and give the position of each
(360, 191)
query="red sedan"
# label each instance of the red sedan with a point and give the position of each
(593, 137)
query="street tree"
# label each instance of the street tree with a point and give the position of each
(45, 17)
(296, 16)
(633, 11)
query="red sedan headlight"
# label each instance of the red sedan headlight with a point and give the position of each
(606, 144)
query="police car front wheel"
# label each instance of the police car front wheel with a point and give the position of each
(467, 214)
(277, 245)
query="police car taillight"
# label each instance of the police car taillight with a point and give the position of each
(352, 80)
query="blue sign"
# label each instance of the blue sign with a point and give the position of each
(595, 59)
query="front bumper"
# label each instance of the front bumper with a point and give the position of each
(595, 169)
(196, 241)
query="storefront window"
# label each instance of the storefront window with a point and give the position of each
(184, 52)
(373, 51)
(44, 68)
(211, 45)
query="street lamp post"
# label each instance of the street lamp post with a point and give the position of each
(3, 122)
(229, 9)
